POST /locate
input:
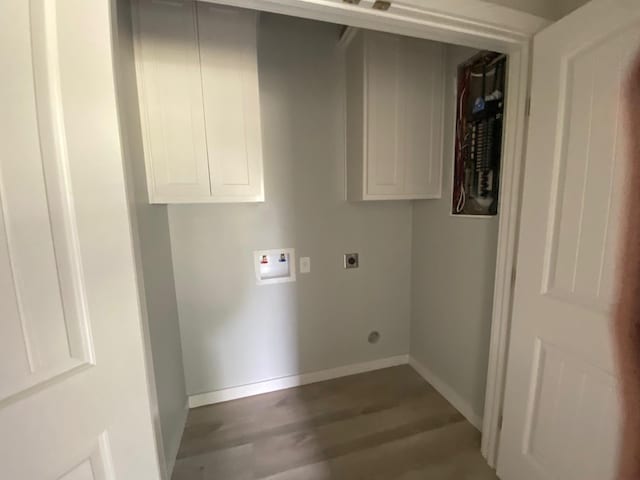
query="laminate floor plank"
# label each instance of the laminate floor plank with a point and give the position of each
(383, 425)
(279, 452)
(448, 453)
(244, 420)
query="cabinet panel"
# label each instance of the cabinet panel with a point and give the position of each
(421, 137)
(383, 114)
(395, 111)
(355, 83)
(171, 101)
(228, 54)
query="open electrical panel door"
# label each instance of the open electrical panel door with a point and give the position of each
(478, 139)
(560, 406)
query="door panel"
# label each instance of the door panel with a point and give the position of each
(570, 416)
(95, 466)
(43, 299)
(560, 415)
(74, 400)
(585, 212)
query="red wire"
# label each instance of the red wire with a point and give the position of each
(463, 90)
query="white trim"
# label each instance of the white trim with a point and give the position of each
(282, 383)
(175, 446)
(471, 23)
(448, 393)
(165, 463)
(518, 85)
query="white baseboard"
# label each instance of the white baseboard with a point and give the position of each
(172, 449)
(448, 393)
(281, 383)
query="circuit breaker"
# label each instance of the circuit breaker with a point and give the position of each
(479, 125)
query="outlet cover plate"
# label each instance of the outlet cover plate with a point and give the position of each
(275, 266)
(305, 264)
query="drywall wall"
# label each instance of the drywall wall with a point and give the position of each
(153, 252)
(541, 8)
(452, 279)
(237, 333)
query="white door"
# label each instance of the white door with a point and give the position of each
(74, 402)
(560, 413)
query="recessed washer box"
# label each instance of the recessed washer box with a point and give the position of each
(275, 266)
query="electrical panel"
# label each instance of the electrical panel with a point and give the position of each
(479, 124)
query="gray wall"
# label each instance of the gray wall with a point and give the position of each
(234, 332)
(551, 9)
(452, 278)
(541, 8)
(153, 254)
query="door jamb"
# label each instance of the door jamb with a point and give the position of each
(475, 24)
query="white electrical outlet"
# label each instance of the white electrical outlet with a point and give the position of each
(305, 264)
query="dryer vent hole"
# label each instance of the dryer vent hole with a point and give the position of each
(374, 337)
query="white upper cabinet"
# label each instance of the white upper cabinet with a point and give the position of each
(395, 111)
(199, 102)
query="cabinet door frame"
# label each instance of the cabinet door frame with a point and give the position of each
(468, 23)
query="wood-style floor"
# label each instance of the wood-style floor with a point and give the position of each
(382, 425)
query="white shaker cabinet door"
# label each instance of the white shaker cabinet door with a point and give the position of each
(395, 110)
(421, 135)
(384, 114)
(171, 101)
(228, 52)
